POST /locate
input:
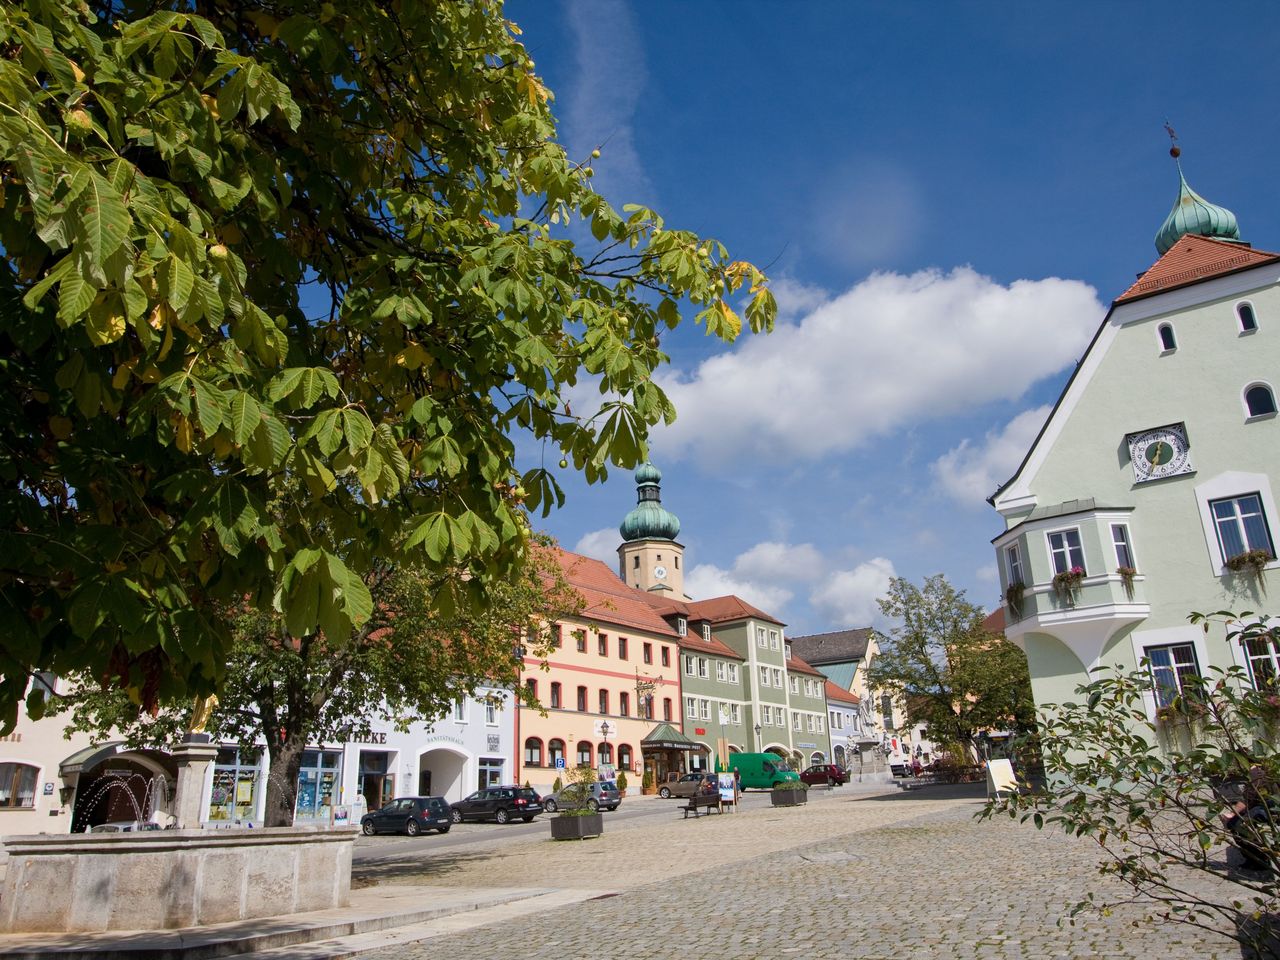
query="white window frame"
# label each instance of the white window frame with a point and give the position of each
(682, 626)
(762, 638)
(1250, 416)
(703, 670)
(1226, 486)
(795, 721)
(1143, 640)
(689, 665)
(733, 672)
(691, 707)
(775, 639)
(1064, 532)
(460, 711)
(820, 722)
(764, 676)
(491, 714)
(1253, 311)
(781, 716)
(1124, 541)
(1013, 564)
(777, 677)
(706, 632)
(766, 717)
(795, 685)
(704, 709)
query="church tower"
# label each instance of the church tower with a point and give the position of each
(650, 558)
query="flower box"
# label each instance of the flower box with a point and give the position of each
(788, 796)
(574, 826)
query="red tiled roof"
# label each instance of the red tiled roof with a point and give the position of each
(837, 692)
(694, 642)
(607, 598)
(726, 609)
(1191, 260)
(796, 665)
(995, 622)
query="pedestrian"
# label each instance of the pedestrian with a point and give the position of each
(916, 766)
(737, 783)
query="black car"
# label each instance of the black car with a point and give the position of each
(409, 815)
(502, 804)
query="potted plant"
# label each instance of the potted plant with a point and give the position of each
(1013, 598)
(577, 821)
(622, 782)
(1126, 578)
(1067, 585)
(1252, 561)
(790, 794)
(646, 785)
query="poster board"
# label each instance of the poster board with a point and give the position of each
(725, 786)
(1000, 778)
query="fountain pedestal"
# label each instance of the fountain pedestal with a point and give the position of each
(193, 755)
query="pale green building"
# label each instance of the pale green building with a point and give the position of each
(1152, 477)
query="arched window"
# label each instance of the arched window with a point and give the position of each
(555, 751)
(839, 755)
(1168, 342)
(624, 756)
(1248, 320)
(533, 752)
(605, 753)
(1259, 401)
(584, 753)
(817, 757)
(18, 785)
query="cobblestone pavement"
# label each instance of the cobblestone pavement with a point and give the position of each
(857, 877)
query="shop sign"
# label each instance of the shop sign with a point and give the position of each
(700, 731)
(495, 741)
(380, 738)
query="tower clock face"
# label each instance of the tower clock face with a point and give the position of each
(660, 572)
(1159, 453)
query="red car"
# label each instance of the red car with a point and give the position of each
(831, 773)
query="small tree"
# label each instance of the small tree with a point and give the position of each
(948, 671)
(1149, 791)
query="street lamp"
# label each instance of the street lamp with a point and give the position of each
(758, 728)
(604, 735)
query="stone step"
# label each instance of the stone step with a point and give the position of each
(373, 911)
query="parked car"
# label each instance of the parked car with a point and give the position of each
(687, 786)
(831, 773)
(603, 795)
(409, 815)
(124, 826)
(502, 804)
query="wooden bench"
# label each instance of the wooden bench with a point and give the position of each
(697, 804)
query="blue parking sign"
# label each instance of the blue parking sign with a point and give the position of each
(559, 763)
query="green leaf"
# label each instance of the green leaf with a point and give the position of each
(357, 428)
(246, 414)
(75, 295)
(100, 219)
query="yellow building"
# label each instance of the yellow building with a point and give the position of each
(609, 690)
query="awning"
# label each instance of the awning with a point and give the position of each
(90, 757)
(666, 737)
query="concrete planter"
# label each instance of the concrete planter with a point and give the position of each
(577, 828)
(788, 796)
(172, 878)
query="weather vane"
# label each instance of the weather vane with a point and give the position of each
(1175, 151)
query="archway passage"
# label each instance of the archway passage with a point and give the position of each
(840, 758)
(441, 773)
(125, 787)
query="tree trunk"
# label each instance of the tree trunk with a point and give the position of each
(282, 780)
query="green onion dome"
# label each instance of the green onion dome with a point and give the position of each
(1194, 214)
(649, 521)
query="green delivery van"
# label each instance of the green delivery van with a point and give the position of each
(762, 770)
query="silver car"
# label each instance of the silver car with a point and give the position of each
(604, 795)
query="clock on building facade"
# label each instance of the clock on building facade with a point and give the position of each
(1159, 453)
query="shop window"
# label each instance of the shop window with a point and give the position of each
(319, 782)
(624, 756)
(235, 783)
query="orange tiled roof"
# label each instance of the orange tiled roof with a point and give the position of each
(837, 692)
(607, 598)
(796, 665)
(1191, 260)
(725, 609)
(995, 622)
(693, 641)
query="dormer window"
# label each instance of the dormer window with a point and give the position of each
(706, 632)
(682, 626)
(1168, 343)
(1248, 320)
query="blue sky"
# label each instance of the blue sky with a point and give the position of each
(946, 197)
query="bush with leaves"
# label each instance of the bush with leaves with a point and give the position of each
(247, 247)
(1150, 789)
(577, 792)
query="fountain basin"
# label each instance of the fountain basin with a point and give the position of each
(158, 880)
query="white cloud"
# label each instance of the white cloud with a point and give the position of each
(601, 545)
(796, 298)
(891, 351)
(848, 597)
(970, 473)
(988, 573)
(706, 580)
(599, 106)
(779, 561)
